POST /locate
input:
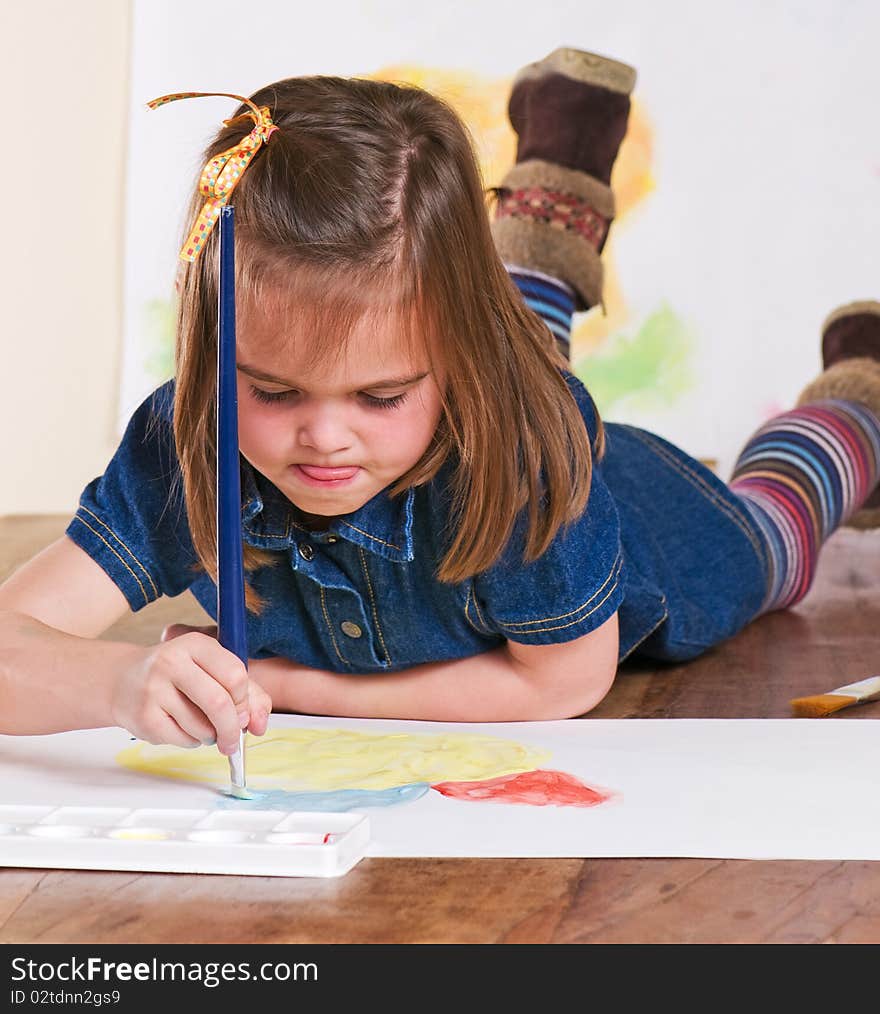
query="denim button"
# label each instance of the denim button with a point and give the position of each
(306, 551)
(332, 538)
(351, 629)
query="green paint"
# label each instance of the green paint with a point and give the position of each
(651, 370)
(160, 321)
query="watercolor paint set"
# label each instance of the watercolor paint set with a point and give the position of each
(261, 843)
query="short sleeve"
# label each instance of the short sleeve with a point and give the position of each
(132, 519)
(574, 587)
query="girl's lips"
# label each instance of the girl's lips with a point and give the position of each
(317, 476)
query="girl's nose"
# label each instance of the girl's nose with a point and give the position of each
(323, 429)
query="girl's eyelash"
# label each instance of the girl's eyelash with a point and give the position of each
(268, 396)
(398, 399)
(273, 397)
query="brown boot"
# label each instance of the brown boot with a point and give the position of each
(851, 357)
(851, 331)
(555, 206)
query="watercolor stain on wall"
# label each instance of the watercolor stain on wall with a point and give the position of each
(625, 363)
(341, 769)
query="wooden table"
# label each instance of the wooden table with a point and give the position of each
(833, 633)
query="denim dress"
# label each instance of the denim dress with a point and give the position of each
(662, 542)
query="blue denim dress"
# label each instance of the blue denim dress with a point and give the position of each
(662, 541)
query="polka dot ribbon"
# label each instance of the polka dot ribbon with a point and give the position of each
(222, 174)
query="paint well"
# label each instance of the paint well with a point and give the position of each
(59, 831)
(219, 836)
(140, 833)
(298, 838)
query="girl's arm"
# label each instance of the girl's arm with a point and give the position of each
(511, 683)
(55, 676)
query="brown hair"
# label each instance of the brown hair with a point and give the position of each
(368, 195)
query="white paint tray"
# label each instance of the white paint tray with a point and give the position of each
(259, 843)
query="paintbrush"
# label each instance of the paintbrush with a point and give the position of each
(821, 705)
(231, 616)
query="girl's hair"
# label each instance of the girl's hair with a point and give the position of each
(367, 205)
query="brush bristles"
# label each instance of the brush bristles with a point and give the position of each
(821, 705)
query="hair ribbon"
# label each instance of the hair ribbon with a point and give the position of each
(223, 172)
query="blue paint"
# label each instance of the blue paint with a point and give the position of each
(335, 801)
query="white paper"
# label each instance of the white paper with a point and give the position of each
(746, 789)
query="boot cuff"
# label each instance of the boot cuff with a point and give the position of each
(849, 380)
(537, 173)
(865, 306)
(562, 255)
(582, 66)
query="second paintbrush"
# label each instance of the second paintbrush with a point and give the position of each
(820, 705)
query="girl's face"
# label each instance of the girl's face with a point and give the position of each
(332, 433)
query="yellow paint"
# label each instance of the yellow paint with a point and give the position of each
(138, 834)
(481, 102)
(632, 180)
(314, 760)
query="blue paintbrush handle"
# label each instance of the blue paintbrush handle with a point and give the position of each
(231, 616)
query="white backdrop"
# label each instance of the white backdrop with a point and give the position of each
(752, 200)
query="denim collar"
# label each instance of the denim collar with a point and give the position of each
(270, 521)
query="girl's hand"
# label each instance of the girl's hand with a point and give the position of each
(189, 690)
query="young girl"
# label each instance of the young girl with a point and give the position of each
(437, 525)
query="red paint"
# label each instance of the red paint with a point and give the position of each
(533, 788)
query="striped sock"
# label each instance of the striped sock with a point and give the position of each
(801, 476)
(551, 298)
